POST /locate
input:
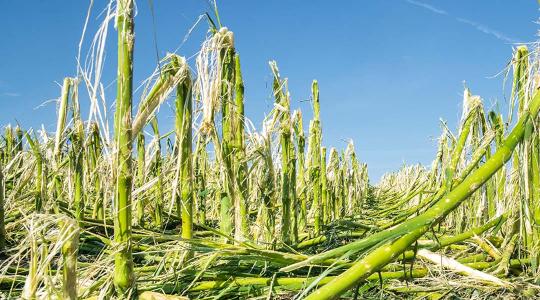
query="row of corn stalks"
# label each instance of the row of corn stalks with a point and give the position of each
(215, 209)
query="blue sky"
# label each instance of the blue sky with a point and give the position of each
(387, 70)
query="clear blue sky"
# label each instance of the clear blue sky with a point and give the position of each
(388, 70)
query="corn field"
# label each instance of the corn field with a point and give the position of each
(216, 209)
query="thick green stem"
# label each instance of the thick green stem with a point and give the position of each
(229, 195)
(294, 197)
(267, 192)
(314, 175)
(240, 151)
(300, 178)
(59, 138)
(77, 138)
(285, 188)
(124, 278)
(315, 157)
(183, 124)
(334, 191)
(157, 172)
(62, 114)
(283, 101)
(94, 156)
(200, 171)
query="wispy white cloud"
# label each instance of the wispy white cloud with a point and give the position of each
(428, 7)
(480, 27)
(485, 29)
(11, 94)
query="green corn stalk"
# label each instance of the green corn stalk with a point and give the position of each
(500, 178)
(283, 102)
(515, 185)
(240, 152)
(141, 167)
(8, 136)
(38, 191)
(70, 248)
(32, 279)
(334, 191)
(200, 171)
(124, 278)
(412, 229)
(183, 124)
(437, 164)
(268, 192)
(534, 166)
(300, 176)
(19, 133)
(315, 158)
(157, 172)
(528, 158)
(62, 114)
(325, 207)
(344, 186)
(229, 196)
(293, 195)
(94, 155)
(475, 204)
(355, 196)
(470, 118)
(77, 140)
(490, 190)
(314, 178)
(59, 138)
(225, 217)
(9, 155)
(520, 80)
(263, 189)
(520, 177)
